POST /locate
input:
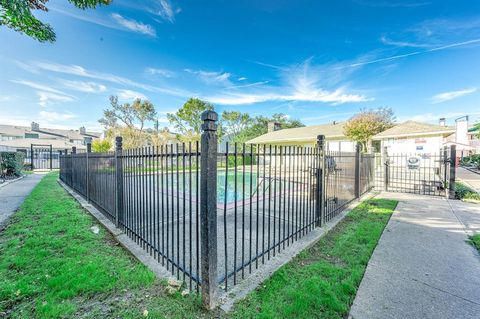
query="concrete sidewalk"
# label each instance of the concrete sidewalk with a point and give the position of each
(13, 195)
(468, 177)
(422, 266)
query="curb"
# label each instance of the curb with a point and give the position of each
(253, 281)
(471, 170)
(140, 254)
(10, 181)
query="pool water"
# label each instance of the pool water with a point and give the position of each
(229, 195)
(223, 196)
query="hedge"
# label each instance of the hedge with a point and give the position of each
(11, 163)
(463, 192)
(472, 160)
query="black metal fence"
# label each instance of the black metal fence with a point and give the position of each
(42, 157)
(422, 173)
(214, 218)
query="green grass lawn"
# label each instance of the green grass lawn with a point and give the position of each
(53, 266)
(322, 281)
(475, 241)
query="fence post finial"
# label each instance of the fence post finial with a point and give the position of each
(74, 150)
(208, 209)
(119, 178)
(321, 142)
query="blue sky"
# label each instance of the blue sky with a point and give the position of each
(312, 60)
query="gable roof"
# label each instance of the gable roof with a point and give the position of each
(301, 134)
(412, 128)
(14, 130)
(25, 143)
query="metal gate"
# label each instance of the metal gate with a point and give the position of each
(42, 157)
(424, 174)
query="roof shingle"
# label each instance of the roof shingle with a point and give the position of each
(412, 128)
(301, 134)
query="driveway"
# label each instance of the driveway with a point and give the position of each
(423, 267)
(13, 195)
(468, 177)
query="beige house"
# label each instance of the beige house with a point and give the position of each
(307, 136)
(16, 138)
(423, 138)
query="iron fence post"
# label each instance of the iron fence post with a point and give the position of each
(208, 208)
(386, 168)
(31, 156)
(74, 151)
(357, 170)
(87, 177)
(51, 157)
(453, 162)
(119, 179)
(320, 194)
(444, 164)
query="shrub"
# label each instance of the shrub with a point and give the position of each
(472, 160)
(101, 146)
(11, 163)
(462, 191)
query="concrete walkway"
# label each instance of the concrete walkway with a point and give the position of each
(469, 178)
(13, 195)
(422, 266)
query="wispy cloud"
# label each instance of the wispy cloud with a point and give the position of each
(210, 77)
(6, 98)
(385, 40)
(55, 116)
(434, 33)
(162, 72)
(129, 95)
(88, 87)
(51, 98)
(447, 96)
(134, 26)
(332, 97)
(46, 94)
(302, 82)
(38, 86)
(82, 72)
(401, 56)
(167, 11)
(260, 83)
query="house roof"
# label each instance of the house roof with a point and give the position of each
(14, 130)
(474, 129)
(301, 134)
(27, 142)
(412, 128)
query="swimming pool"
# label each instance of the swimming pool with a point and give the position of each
(243, 188)
(186, 188)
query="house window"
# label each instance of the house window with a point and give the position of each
(31, 135)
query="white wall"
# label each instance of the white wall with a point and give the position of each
(344, 146)
(418, 145)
